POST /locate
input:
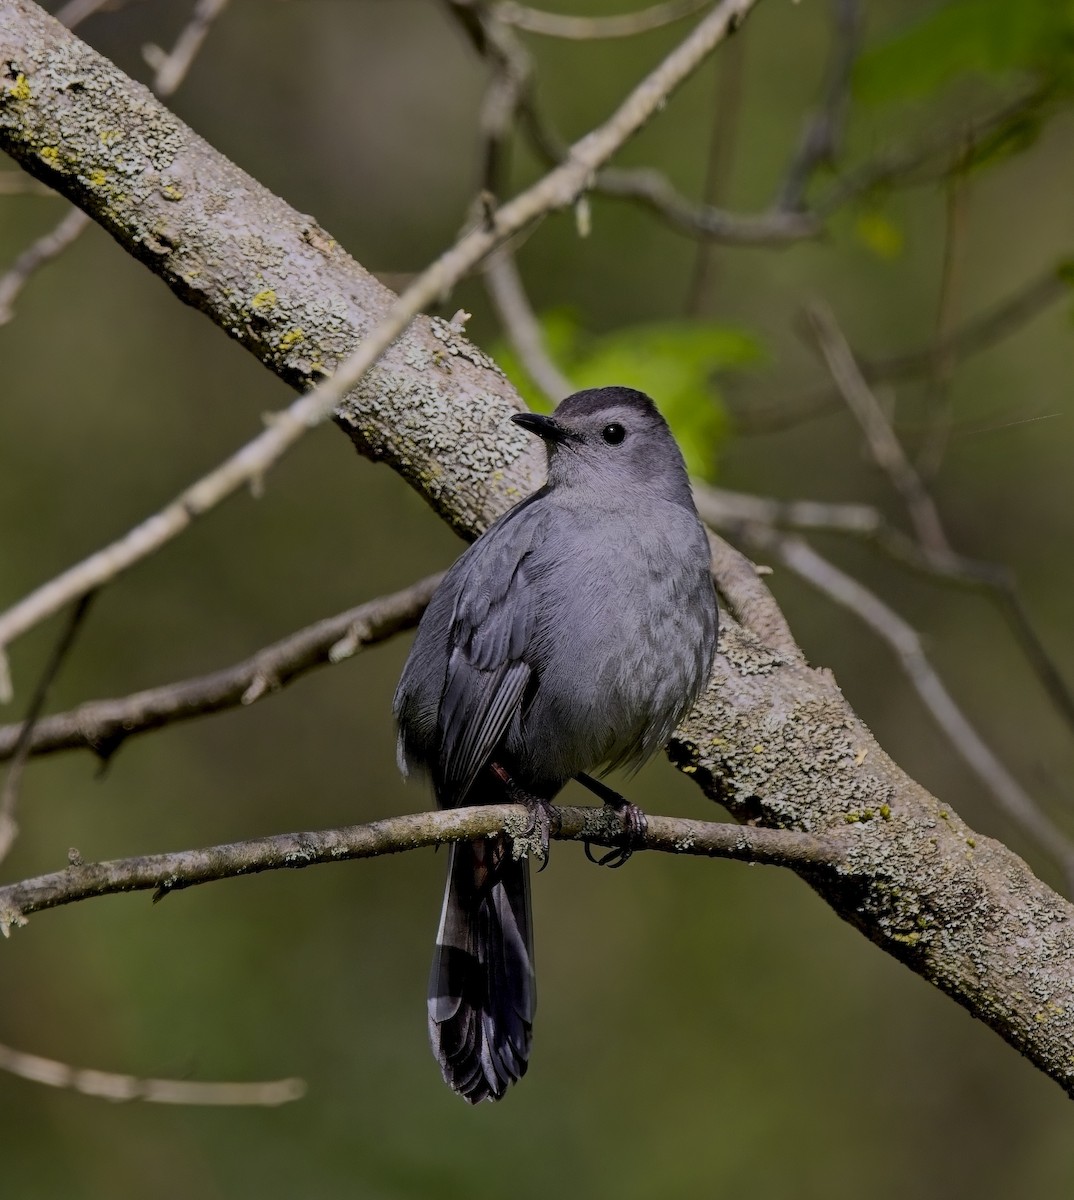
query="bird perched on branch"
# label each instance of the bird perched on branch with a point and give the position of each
(574, 635)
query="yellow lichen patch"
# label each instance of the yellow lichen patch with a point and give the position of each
(98, 178)
(21, 89)
(290, 339)
(264, 300)
(171, 191)
(108, 136)
(51, 155)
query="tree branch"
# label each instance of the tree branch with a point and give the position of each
(166, 873)
(104, 725)
(107, 1085)
(534, 20)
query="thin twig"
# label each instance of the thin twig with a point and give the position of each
(884, 446)
(559, 25)
(1001, 321)
(74, 12)
(109, 1086)
(166, 873)
(104, 725)
(560, 188)
(805, 562)
(171, 70)
(508, 296)
(727, 100)
(823, 132)
(931, 158)
(47, 247)
(651, 188)
(940, 411)
(9, 793)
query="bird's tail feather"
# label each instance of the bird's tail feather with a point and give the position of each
(482, 994)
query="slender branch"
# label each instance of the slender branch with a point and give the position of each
(904, 640)
(880, 437)
(171, 67)
(652, 189)
(104, 725)
(508, 295)
(823, 132)
(982, 333)
(248, 466)
(109, 1086)
(534, 20)
(166, 873)
(723, 136)
(940, 412)
(46, 248)
(24, 733)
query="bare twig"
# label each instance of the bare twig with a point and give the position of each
(940, 412)
(931, 159)
(652, 189)
(74, 12)
(248, 466)
(559, 25)
(823, 132)
(171, 67)
(103, 725)
(109, 1086)
(799, 557)
(171, 70)
(722, 138)
(47, 247)
(982, 333)
(724, 509)
(880, 437)
(9, 793)
(167, 873)
(504, 285)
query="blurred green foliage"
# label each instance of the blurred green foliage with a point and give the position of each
(678, 361)
(992, 39)
(705, 1029)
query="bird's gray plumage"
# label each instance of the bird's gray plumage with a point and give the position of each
(572, 636)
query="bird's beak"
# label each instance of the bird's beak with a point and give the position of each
(548, 429)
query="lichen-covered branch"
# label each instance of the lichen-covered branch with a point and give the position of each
(773, 739)
(166, 873)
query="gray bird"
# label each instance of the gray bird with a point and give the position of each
(574, 635)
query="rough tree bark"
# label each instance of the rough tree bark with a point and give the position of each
(772, 740)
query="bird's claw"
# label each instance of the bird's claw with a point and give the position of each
(634, 827)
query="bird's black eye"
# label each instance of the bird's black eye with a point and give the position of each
(613, 434)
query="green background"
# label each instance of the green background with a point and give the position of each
(705, 1028)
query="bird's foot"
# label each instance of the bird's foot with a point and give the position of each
(631, 819)
(534, 836)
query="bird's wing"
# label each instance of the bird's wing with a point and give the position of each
(491, 661)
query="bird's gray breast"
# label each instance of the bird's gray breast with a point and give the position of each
(623, 642)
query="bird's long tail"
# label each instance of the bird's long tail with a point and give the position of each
(482, 993)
